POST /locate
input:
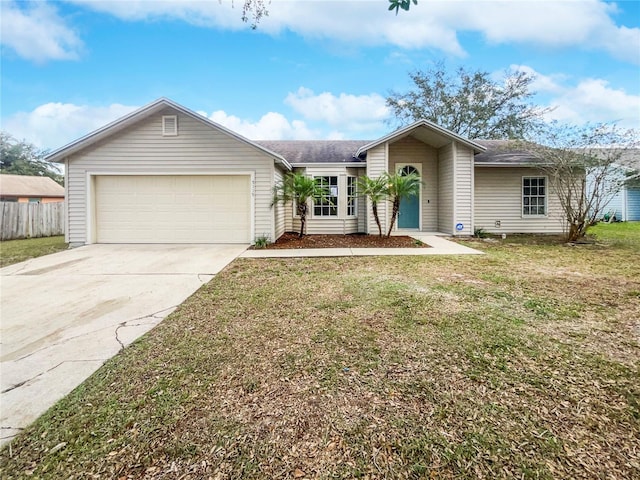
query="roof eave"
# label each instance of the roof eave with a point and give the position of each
(284, 163)
(329, 164)
(477, 148)
(62, 153)
(506, 164)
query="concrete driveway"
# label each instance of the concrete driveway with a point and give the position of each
(63, 315)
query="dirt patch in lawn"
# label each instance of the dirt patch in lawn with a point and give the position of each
(292, 240)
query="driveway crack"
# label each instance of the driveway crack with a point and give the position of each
(20, 384)
(155, 315)
(123, 324)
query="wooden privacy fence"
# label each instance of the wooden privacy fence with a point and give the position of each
(28, 220)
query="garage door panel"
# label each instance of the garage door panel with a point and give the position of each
(172, 209)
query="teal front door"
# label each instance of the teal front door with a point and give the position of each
(409, 213)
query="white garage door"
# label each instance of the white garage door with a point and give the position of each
(172, 209)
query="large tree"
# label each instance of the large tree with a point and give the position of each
(586, 167)
(469, 103)
(24, 158)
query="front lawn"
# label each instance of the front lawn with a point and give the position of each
(14, 251)
(522, 363)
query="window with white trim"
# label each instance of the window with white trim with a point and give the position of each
(534, 195)
(352, 206)
(169, 125)
(327, 204)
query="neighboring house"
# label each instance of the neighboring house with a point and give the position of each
(625, 204)
(26, 188)
(167, 174)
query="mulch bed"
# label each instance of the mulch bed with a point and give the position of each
(291, 240)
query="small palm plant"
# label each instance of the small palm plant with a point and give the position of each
(400, 186)
(375, 189)
(300, 189)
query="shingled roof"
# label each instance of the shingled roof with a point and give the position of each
(316, 151)
(503, 152)
(29, 186)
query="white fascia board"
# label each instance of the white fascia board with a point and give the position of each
(421, 123)
(60, 154)
(330, 164)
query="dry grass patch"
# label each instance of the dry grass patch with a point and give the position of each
(522, 363)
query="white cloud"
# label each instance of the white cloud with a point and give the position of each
(53, 125)
(581, 23)
(36, 32)
(589, 100)
(594, 100)
(207, 13)
(271, 126)
(541, 83)
(350, 113)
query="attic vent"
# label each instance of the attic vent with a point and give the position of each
(169, 125)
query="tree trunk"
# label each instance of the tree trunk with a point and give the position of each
(374, 207)
(302, 211)
(576, 232)
(394, 215)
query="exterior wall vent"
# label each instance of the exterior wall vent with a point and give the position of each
(169, 125)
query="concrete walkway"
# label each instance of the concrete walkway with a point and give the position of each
(439, 246)
(63, 315)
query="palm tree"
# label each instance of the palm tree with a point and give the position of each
(400, 186)
(300, 188)
(376, 190)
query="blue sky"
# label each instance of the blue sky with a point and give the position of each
(311, 70)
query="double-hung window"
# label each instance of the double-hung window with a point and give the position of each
(352, 207)
(534, 196)
(326, 205)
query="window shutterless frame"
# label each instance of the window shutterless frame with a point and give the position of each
(352, 197)
(534, 196)
(327, 204)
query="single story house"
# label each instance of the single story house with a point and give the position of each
(165, 174)
(29, 189)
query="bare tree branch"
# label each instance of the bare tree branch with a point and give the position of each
(586, 167)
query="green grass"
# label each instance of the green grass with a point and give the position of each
(617, 233)
(14, 251)
(522, 363)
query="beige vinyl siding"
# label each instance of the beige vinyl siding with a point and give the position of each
(288, 217)
(279, 210)
(140, 149)
(414, 152)
(446, 189)
(337, 226)
(498, 197)
(376, 166)
(66, 204)
(463, 178)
